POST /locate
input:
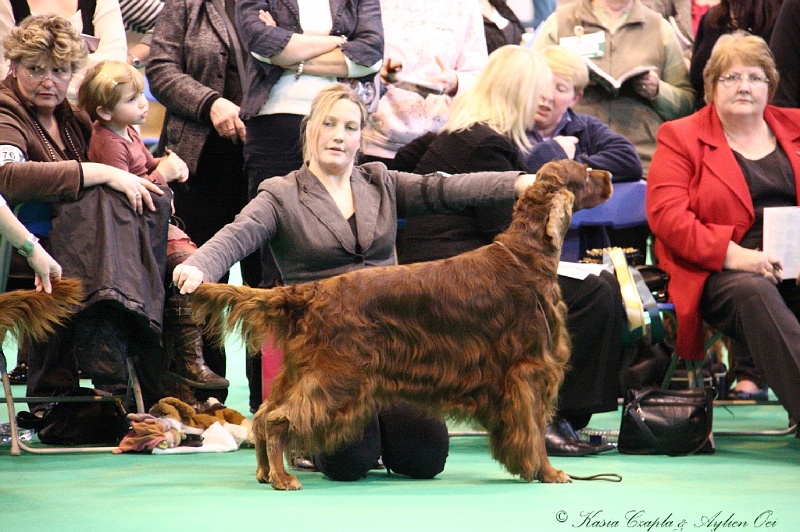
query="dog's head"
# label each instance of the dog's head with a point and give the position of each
(561, 187)
(590, 187)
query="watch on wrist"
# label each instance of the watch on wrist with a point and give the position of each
(27, 247)
(135, 61)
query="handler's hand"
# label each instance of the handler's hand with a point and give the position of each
(187, 278)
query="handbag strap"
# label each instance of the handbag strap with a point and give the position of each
(634, 413)
(233, 36)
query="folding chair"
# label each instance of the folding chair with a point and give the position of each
(695, 379)
(36, 217)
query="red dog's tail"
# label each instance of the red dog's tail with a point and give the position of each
(34, 315)
(253, 312)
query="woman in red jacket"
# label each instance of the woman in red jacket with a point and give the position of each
(713, 173)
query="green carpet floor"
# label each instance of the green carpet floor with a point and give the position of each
(750, 483)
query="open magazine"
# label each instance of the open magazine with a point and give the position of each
(609, 82)
(780, 238)
(421, 85)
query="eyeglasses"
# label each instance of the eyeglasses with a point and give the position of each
(733, 80)
(55, 74)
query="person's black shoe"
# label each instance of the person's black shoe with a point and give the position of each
(561, 440)
(302, 462)
(19, 375)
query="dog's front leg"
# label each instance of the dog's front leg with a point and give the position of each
(517, 438)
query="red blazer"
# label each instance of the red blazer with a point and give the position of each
(697, 201)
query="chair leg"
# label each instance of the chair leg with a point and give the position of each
(134, 388)
(694, 373)
(17, 446)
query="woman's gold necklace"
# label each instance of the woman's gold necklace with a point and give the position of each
(49, 146)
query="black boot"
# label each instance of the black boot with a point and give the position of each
(183, 347)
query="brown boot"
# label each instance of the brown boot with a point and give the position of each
(183, 347)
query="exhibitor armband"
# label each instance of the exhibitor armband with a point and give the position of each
(11, 154)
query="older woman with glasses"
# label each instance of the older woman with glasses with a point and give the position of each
(109, 227)
(712, 176)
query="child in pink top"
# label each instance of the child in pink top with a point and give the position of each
(112, 94)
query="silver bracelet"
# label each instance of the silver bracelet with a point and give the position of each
(299, 70)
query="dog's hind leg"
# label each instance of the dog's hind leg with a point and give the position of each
(277, 435)
(517, 441)
(270, 434)
(260, 440)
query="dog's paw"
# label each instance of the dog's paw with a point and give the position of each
(553, 476)
(285, 482)
(262, 475)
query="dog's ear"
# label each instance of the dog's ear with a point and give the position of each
(550, 173)
(559, 217)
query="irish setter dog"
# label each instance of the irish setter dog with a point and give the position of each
(480, 335)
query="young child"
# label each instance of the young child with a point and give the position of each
(112, 94)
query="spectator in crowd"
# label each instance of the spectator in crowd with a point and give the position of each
(755, 16)
(98, 21)
(441, 42)
(196, 71)
(98, 211)
(758, 18)
(785, 46)
(561, 133)
(500, 25)
(626, 34)
(713, 174)
(139, 16)
(112, 94)
(684, 15)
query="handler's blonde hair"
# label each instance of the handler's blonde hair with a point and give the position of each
(320, 107)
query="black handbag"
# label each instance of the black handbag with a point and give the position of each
(81, 423)
(671, 422)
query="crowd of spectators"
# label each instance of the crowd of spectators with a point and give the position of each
(456, 86)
